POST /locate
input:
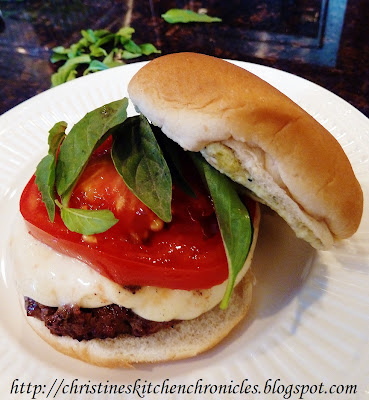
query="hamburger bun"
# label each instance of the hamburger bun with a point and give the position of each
(256, 135)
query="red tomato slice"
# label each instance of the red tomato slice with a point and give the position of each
(140, 249)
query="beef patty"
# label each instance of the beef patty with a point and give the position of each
(90, 323)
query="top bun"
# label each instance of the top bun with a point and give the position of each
(256, 135)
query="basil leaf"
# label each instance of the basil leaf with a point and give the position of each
(132, 47)
(127, 55)
(64, 72)
(125, 34)
(105, 39)
(139, 160)
(109, 60)
(60, 50)
(176, 15)
(56, 57)
(173, 153)
(94, 66)
(96, 51)
(148, 48)
(101, 32)
(87, 222)
(97, 45)
(89, 35)
(45, 179)
(233, 219)
(45, 171)
(82, 140)
(76, 49)
(56, 135)
(72, 75)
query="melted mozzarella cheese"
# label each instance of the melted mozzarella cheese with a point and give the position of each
(54, 279)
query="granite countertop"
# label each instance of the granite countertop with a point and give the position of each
(324, 41)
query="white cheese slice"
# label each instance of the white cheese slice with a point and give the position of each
(54, 279)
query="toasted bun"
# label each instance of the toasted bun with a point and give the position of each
(259, 137)
(186, 339)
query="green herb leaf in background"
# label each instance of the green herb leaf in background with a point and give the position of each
(101, 32)
(97, 46)
(176, 15)
(45, 171)
(148, 48)
(139, 160)
(94, 66)
(59, 53)
(233, 219)
(89, 35)
(82, 140)
(109, 60)
(69, 69)
(96, 51)
(125, 33)
(132, 47)
(87, 222)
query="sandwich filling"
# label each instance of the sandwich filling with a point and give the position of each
(56, 280)
(74, 300)
(122, 228)
(254, 169)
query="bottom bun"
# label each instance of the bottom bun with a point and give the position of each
(186, 339)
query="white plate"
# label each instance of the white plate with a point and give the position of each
(309, 324)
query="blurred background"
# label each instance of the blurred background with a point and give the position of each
(326, 41)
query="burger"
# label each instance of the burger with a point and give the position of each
(138, 233)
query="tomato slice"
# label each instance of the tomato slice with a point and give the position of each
(140, 249)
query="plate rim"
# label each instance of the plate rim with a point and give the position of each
(19, 109)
